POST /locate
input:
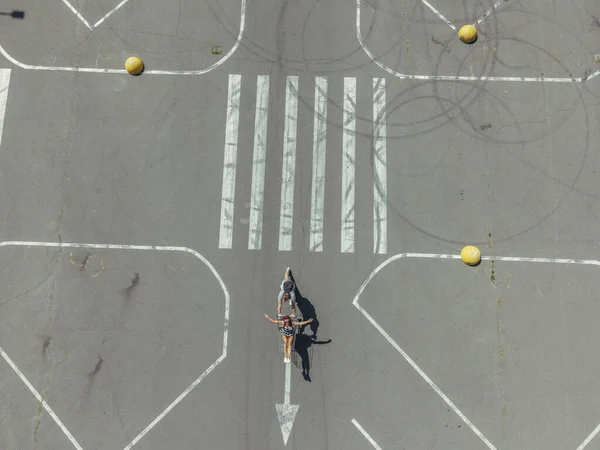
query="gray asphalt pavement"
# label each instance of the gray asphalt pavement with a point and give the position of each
(360, 163)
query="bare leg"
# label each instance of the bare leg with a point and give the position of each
(289, 346)
(284, 345)
(287, 272)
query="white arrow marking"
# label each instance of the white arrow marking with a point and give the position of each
(286, 413)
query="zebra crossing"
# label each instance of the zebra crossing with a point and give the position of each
(288, 152)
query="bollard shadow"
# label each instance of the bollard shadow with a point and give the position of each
(14, 14)
(302, 345)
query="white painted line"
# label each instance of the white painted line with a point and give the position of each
(174, 403)
(261, 120)
(230, 161)
(147, 72)
(461, 78)
(366, 435)
(286, 412)
(589, 438)
(414, 365)
(79, 16)
(423, 375)
(137, 247)
(110, 13)
(380, 167)
(439, 14)
(348, 164)
(288, 383)
(86, 23)
(489, 11)
(4, 83)
(286, 215)
(40, 399)
(318, 168)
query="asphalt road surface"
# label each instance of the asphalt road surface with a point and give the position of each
(147, 221)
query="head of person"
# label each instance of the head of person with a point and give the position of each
(288, 286)
(286, 296)
(287, 321)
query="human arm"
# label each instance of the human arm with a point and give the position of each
(273, 320)
(301, 324)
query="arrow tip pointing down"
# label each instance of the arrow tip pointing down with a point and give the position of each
(286, 414)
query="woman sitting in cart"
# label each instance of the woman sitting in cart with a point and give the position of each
(286, 328)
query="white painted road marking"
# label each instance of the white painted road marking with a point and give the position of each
(440, 15)
(40, 399)
(589, 438)
(4, 83)
(85, 22)
(230, 161)
(110, 13)
(79, 16)
(286, 412)
(348, 164)
(366, 435)
(258, 163)
(380, 167)
(489, 11)
(409, 359)
(146, 72)
(132, 247)
(318, 166)
(288, 175)
(460, 78)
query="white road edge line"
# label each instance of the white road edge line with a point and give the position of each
(257, 193)
(380, 167)
(439, 14)
(147, 72)
(79, 16)
(423, 375)
(230, 162)
(318, 167)
(4, 84)
(110, 13)
(139, 247)
(39, 398)
(460, 78)
(489, 11)
(348, 164)
(590, 262)
(366, 435)
(288, 172)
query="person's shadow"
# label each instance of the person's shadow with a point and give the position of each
(307, 310)
(302, 344)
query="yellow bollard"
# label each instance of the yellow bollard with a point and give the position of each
(468, 34)
(470, 255)
(134, 65)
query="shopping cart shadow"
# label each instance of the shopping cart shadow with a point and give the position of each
(302, 345)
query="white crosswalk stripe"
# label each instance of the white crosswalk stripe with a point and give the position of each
(348, 165)
(4, 82)
(318, 166)
(286, 215)
(345, 236)
(380, 165)
(258, 163)
(230, 161)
